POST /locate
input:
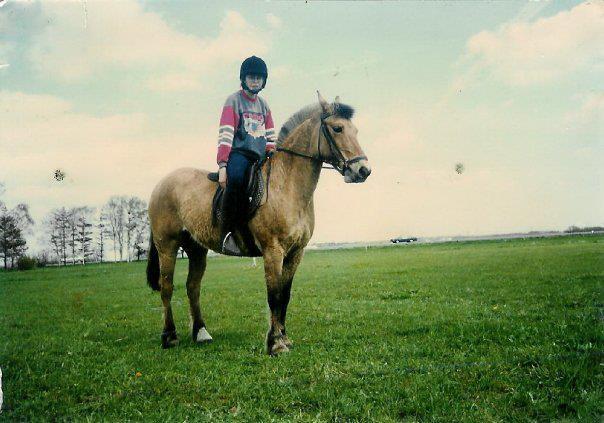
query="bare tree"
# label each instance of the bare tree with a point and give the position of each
(102, 231)
(54, 239)
(43, 257)
(114, 209)
(136, 212)
(62, 226)
(141, 237)
(85, 232)
(72, 230)
(57, 226)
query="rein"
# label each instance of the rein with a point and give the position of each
(338, 162)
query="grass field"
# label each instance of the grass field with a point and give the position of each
(476, 331)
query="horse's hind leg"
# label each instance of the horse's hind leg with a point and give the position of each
(197, 266)
(167, 261)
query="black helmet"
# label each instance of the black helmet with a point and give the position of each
(253, 66)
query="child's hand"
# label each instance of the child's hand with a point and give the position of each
(222, 177)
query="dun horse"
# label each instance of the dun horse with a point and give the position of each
(180, 212)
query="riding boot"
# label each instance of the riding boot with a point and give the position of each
(229, 224)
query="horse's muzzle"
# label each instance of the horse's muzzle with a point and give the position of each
(357, 172)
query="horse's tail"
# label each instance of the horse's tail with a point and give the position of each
(153, 265)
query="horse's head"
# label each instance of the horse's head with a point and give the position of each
(338, 141)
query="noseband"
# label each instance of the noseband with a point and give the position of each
(337, 160)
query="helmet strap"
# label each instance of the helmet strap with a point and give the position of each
(248, 89)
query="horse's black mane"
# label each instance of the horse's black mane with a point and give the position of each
(341, 110)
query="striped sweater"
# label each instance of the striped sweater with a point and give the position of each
(246, 124)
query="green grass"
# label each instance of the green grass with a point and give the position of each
(476, 331)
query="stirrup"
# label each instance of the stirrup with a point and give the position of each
(229, 246)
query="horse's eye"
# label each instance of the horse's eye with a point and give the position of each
(337, 129)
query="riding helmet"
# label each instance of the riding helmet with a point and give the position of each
(253, 66)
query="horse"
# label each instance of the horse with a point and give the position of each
(180, 215)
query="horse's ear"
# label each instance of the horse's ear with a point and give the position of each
(324, 104)
(337, 100)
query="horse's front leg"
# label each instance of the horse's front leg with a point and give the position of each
(290, 264)
(275, 289)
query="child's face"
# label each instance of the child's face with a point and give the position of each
(254, 82)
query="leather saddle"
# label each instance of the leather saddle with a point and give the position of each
(253, 200)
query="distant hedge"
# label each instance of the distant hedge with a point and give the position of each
(26, 263)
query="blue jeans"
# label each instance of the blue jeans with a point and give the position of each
(234, 204)
(237, 170)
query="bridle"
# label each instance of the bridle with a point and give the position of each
(337, 160)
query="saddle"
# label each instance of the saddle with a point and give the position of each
(254, 195)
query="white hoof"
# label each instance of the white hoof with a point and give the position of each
(279, 348)
(288, 343)
(203, 336)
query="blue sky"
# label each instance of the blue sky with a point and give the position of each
(119, 93)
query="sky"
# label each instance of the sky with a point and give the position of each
(117, 94)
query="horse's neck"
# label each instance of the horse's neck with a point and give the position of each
(297, 176)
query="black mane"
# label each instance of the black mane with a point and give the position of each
(343, 110)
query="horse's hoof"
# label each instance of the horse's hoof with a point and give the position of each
(278, 348)
(288, 343)
(169, 339)
(202, 336)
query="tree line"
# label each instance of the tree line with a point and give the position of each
(76, 235)
(83, 234)
(581, 229)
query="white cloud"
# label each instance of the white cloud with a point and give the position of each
(6, 48)
(174, 82)
(101, 156)
(591, 110)
(280, 73)
(523, 53)
(75, 45)
(584, 123)
(274, 21)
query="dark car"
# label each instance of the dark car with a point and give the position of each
(398, 240)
